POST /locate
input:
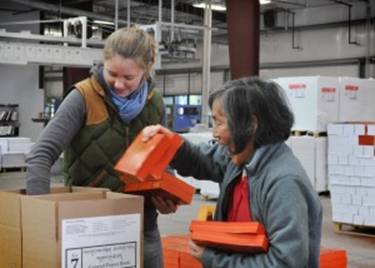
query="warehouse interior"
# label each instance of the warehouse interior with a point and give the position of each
(325, 45)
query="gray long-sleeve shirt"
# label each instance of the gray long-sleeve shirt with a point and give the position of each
(55, 137)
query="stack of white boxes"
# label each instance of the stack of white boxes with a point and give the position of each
(317, 101)
(13, 151)
(314, 101)
(351, 167)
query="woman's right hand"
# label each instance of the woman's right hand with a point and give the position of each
(150, 131)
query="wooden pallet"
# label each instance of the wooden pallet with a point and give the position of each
(351, 229)
(308, 133)
(12, 169)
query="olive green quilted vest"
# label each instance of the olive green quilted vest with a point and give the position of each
(93, 152)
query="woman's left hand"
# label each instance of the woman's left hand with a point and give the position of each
(195, 250)
(164, 206)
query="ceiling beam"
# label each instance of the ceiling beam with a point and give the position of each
(65, 10)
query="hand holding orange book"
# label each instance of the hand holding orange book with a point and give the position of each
(147, 160)
(168, 186)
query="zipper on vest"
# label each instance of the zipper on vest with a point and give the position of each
(127, 137)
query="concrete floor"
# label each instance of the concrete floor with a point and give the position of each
(360, 249)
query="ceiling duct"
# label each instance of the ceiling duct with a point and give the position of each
(269, 18)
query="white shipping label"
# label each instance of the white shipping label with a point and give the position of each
(99, 242)
(328, 93)
(297, 90)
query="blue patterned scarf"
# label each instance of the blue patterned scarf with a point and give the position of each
(131, 106)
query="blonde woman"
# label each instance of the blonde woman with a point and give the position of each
(97, 121)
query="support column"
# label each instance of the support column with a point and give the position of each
(243, 36)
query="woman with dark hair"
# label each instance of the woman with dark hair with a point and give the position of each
(260, 178)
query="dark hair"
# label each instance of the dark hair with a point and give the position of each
(255, 109)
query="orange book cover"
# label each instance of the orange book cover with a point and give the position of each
(178, 244)
(139, 158)
(227, 227)
(252, 243)
(148, 160)
(188, 261)
(175, 141)
(366, 140)
(333, 258)
(168, 186)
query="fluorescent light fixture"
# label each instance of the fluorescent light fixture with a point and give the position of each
(103, 22)
(264, 2)
(216, 7)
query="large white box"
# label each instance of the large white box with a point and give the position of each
(313, 99)
(312, 153)
(3, 145)
(207, 188)
(304, 149)
(13, 160)
(19, 145)
(356, 99)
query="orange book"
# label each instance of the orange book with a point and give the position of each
(147, 160)
(188, 261)
(366, 140)
(140, 156)
(227, 227)
(175, 141)
(333, 258)
(252, 243)
(170, 258)
(178, 245)
(168, 186)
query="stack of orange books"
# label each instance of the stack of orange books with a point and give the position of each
(333, 258)
(176, 253)
(230, 236)
(143, 168)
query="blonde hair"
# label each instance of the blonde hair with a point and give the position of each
(132, 43)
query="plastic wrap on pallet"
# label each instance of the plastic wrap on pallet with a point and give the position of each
(351, 167)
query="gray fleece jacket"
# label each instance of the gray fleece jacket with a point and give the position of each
(281, 198)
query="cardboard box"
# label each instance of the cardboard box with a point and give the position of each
(356, 99)
(11, 225)
(69, 224)
(312, 153)
(313, 99)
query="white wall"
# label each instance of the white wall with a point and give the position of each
(19, 83)
(276, 47)
(331, 43)
(343, 70)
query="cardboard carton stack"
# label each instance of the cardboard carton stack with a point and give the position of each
(71, 226)
(356, 99)
(13, 151)
(317, 101)
(143, 168)
(351, 167)
(313, 99)
(312, 153)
